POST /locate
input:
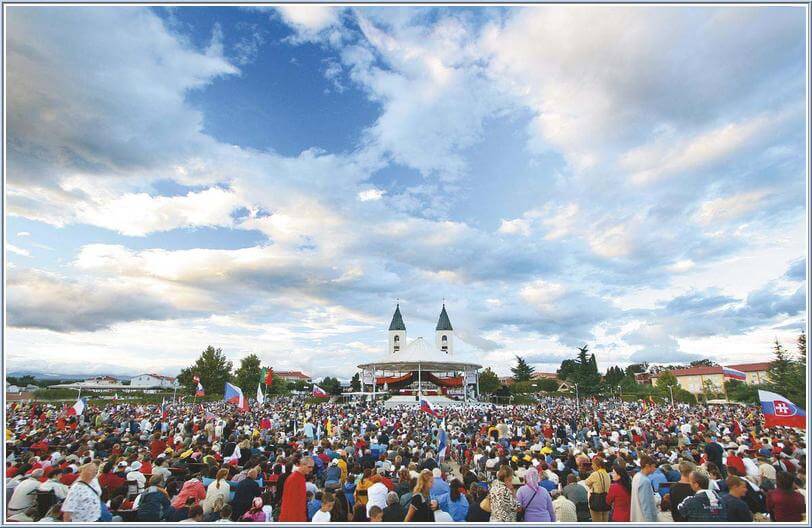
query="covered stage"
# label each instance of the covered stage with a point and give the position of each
(421, 369)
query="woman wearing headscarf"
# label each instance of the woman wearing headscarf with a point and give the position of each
(534, 499)
(255, 514)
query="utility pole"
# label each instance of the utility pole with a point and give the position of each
(671, 390)
(577, 402)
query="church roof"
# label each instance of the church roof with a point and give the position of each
(443, 323)
(397, 321)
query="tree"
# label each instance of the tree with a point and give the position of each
(779, 372)
(248, 376)
(742, 392)
(547, 384)
(586, 374)
(331, 386)
(522, 371)
(703, 363)
(489, 382)
(567, 369)
(213, 369)
(278, 387)
(613, 377)
(636, 368)
(355, 382)
(667, 379)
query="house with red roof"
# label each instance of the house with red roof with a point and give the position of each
(693, 379)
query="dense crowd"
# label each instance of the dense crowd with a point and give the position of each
(285, 460)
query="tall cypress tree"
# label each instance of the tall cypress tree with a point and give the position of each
(522, 371)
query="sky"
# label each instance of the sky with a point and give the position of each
(274, 180)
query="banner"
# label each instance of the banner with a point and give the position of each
(470, 378)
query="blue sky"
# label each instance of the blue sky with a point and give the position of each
(272, 180)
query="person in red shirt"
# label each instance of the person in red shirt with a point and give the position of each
(734, 460)
(294, 494)
(157, 446)
(784, 504)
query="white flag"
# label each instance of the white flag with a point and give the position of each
(260, 396)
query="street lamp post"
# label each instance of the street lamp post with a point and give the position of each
(671, 390)
(577, 402)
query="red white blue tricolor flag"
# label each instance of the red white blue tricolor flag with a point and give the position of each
(318, 392)
(427, 407)
(199, 393)
(78, 408)
(734, 374)
(163, 408)
(233, 394)
(780, 412)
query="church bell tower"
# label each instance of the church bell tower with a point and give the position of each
(444, 333)
(397, 332)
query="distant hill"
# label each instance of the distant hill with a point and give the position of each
(58, 376)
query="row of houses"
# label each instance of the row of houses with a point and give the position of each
(692, 379)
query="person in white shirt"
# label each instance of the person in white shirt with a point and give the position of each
(23, 496)
(323, 514)
(135, 475)
(377, 496)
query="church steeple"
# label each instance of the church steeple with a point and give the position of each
(397, 320)
(397, 332)
(444, 333)
(443, 323)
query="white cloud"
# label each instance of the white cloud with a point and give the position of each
(668, 156)
(18, 251)
(23, 234)
(720, 210)
(517, 226)
(371, 195)
(141, 214)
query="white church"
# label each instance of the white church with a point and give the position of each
(443, 333)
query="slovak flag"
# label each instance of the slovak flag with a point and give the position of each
(780, 412)
(734, 374)
(234, 395)
(427, 407)
(78, 408)
(318, 392)
(199, 393)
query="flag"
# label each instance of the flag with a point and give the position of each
(651, 399)
(233, 394)
(734, 374)
(196, 378)
(329, 427)
(210, 416)
(780, 412)
(199, 393)
(78, 408)
(267, 376)
(427, 407)
(442, 443)
(260, 396)
(318, 392)
(163, 408)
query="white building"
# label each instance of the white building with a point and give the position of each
(153, 381)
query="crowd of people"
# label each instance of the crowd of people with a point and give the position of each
(287, 461)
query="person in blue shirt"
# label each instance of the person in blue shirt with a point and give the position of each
(455, 503)
(439, 487)
(546, 483)
(313, 504)
(657, 478)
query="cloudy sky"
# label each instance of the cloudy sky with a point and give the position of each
(272, 180)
